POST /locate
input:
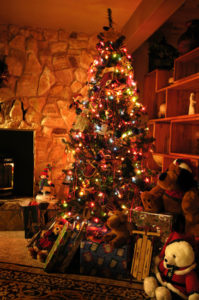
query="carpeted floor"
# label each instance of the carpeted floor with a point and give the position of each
(24, 278)
(13, 247)
(22, 282)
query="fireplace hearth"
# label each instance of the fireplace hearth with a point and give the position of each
(16, 163)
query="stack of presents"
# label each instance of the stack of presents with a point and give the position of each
(120, 249)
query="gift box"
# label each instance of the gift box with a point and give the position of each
(100, 259)
(57, 251)
(64, 248)
(146, 221)
(31, 216)
(72, 247)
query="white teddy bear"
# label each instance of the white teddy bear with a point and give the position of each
(174, 272)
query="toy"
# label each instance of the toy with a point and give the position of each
(176, 193)
(120, 231)
(42, 245)
(174, 271)
(46, 186)
(142, 254)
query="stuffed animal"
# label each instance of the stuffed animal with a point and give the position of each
(176, 193)
(120, 231)
(43, 244)
(175, 273)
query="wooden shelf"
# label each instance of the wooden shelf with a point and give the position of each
(187, 57)
(188, 83)
(180, 118)
(185, 137)
(186, 64)
(177, 133)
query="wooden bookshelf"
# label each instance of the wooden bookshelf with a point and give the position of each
(177, 133)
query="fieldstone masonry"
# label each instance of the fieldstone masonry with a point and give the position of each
(46, 68)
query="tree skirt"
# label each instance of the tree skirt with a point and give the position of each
(23, 282)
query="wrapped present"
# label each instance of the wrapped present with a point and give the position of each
(64, 248)
(146, 221)
(31, 214)
(57, 251)
(100, 259)
(72, 246)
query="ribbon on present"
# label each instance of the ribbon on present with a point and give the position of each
(95, 232)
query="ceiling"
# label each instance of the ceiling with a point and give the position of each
(136, 19)
(73, 15)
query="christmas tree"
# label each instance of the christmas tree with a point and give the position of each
(109, 169)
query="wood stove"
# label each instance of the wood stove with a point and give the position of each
(16, 163)
(6, 175)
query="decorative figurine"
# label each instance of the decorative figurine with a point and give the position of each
(162, 110)
(192, 104)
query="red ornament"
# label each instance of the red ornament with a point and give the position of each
(138, 208)
(106, 79)
(89, 170)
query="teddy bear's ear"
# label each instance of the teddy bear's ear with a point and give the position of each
(110, 213)
(114, 212)
(185, 180)
(123, 218)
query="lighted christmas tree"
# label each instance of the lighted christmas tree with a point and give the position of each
(109, 168)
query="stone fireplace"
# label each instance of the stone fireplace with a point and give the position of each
(46, 69)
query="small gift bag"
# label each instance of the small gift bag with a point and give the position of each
(64, 248)
(54, 257)
(72, 247)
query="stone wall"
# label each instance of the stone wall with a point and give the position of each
(46, 69)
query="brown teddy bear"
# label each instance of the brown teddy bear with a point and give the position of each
(43, 244)
(120, 230)
(176, 193)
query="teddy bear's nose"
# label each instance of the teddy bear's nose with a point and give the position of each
(162, 176)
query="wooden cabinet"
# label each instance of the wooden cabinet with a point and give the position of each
(176, 132)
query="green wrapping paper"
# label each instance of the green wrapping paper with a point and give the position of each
(56, 253)
(64, 249)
